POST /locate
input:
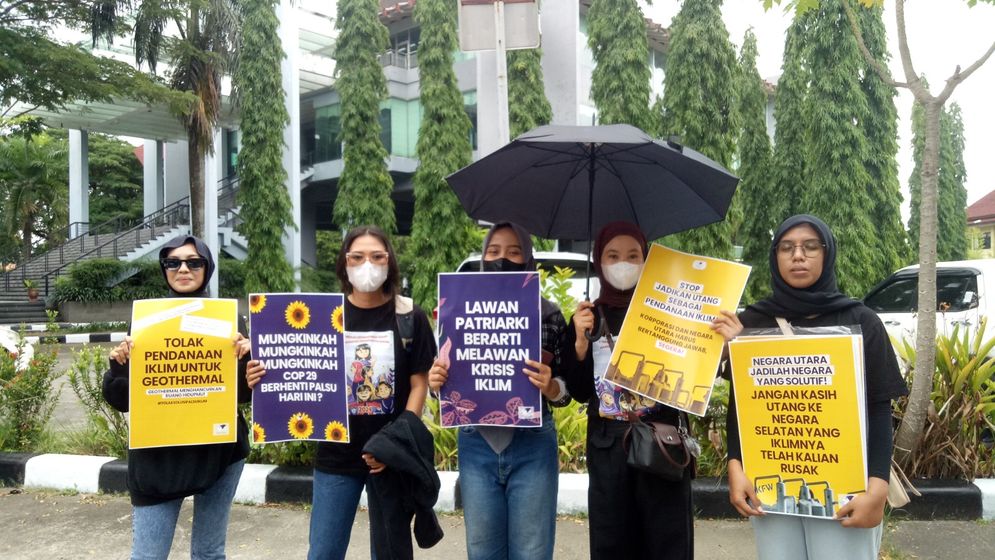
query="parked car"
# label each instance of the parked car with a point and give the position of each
(548, 260)
(965, 292)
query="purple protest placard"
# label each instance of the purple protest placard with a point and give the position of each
(489, 324)
(298, 338)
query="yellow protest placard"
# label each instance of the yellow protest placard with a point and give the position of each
(666, 350)
(182, 381)
(800, 407)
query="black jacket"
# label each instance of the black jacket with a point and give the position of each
(409, 487)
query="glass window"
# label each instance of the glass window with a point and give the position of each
(470, 106)
(986, 240)
(327, 128)
(955, 290)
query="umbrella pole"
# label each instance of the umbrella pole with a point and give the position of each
(590, 219)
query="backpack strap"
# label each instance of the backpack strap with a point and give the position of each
(404, 309)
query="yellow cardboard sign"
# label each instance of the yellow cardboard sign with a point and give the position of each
(666, 350)
(800, 407)
(182, 382)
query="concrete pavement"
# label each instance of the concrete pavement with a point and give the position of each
(40, 525)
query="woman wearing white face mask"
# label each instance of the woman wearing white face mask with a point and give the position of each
(633, 514)
(390, 377)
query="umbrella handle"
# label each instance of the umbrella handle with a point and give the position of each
(600, 325)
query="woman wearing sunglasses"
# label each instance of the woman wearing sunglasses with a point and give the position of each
(160, 478)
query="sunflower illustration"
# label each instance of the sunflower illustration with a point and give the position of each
(301, 426)
(258, 433)
(256, 303)
(335, 431)
(337, 319)
(298, 315)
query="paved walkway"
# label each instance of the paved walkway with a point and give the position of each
(40, 525)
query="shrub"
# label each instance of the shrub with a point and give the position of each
(446, 456)
(571, 437)
(710, 431)
(107, 428)
(956, 440)
(26, 399)
(109, 280)
(231, 278)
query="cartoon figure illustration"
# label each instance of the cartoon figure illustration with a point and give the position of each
(609, 399)
(626, 402)
(362, 366)
(385, 394)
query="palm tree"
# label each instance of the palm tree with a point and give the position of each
(202, 50)
(33, 176)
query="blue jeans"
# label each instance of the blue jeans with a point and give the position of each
(509, 499)
(334, 500)
(153, 526)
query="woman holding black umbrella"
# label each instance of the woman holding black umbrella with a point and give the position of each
(633, 514)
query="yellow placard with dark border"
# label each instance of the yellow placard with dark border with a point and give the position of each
(182, 382)
(800, 407)
(666, 350)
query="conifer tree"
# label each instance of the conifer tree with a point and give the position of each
(365, 186)
(789, 164)
(755, 186)
(836, 151)
(620, 82)
(441, 232)
(265, 203)
(880, 126)
(528, 106)
(951, 235)
(699, 107)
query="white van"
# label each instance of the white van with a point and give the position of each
(965, 292)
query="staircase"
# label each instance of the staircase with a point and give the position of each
(113, 239)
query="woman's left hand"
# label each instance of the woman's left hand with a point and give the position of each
(242, 345)
(866, 510)
(542, 377)
(375, 466)
(727, 324)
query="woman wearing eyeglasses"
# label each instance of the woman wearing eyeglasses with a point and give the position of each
(392, 379)
(803, 276)
(160, 478)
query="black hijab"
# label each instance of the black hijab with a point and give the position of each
(202, 250)
(818, 299)
(524, 241)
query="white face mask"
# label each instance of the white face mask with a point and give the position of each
(623, 276)
(367, 277)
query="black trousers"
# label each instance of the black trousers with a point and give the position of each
(634, 514)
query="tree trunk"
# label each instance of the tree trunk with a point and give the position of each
(195, 154)
(914, 419)
(26, 239)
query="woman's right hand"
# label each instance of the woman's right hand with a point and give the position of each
(122, 352)
(254, 371)
(437, 375)
(741, 493)
(583, 319)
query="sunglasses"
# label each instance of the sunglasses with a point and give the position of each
(196, 263)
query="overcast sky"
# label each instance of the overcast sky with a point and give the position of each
(942, 34)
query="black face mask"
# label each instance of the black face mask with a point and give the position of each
(502, 265)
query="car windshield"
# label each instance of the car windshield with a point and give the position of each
(955, 290)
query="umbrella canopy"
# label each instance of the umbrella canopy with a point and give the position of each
(565, 182)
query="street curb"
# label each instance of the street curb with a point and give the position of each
(941, 499)
(77, 338)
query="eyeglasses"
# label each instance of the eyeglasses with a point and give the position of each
(196, 263)
(356, 259)
(810, 247)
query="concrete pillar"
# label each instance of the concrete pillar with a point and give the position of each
(176, 172)
(154, 177)
(79, 183)
(290, 71)
(213, 169)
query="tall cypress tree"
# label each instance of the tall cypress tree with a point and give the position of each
(620, 82)
(951, 237)
(528, 106)
(699, 106)
(880, 126)
(365, 185)
(266, 207)
(789, 114)
(441, 232)
(836, 151)
(755, 186)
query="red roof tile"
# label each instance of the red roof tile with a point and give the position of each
(983, 209)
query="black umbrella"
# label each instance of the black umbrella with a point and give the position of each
(566, 182)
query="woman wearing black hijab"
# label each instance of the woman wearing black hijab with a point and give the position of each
(160, 478)
(805, 293)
